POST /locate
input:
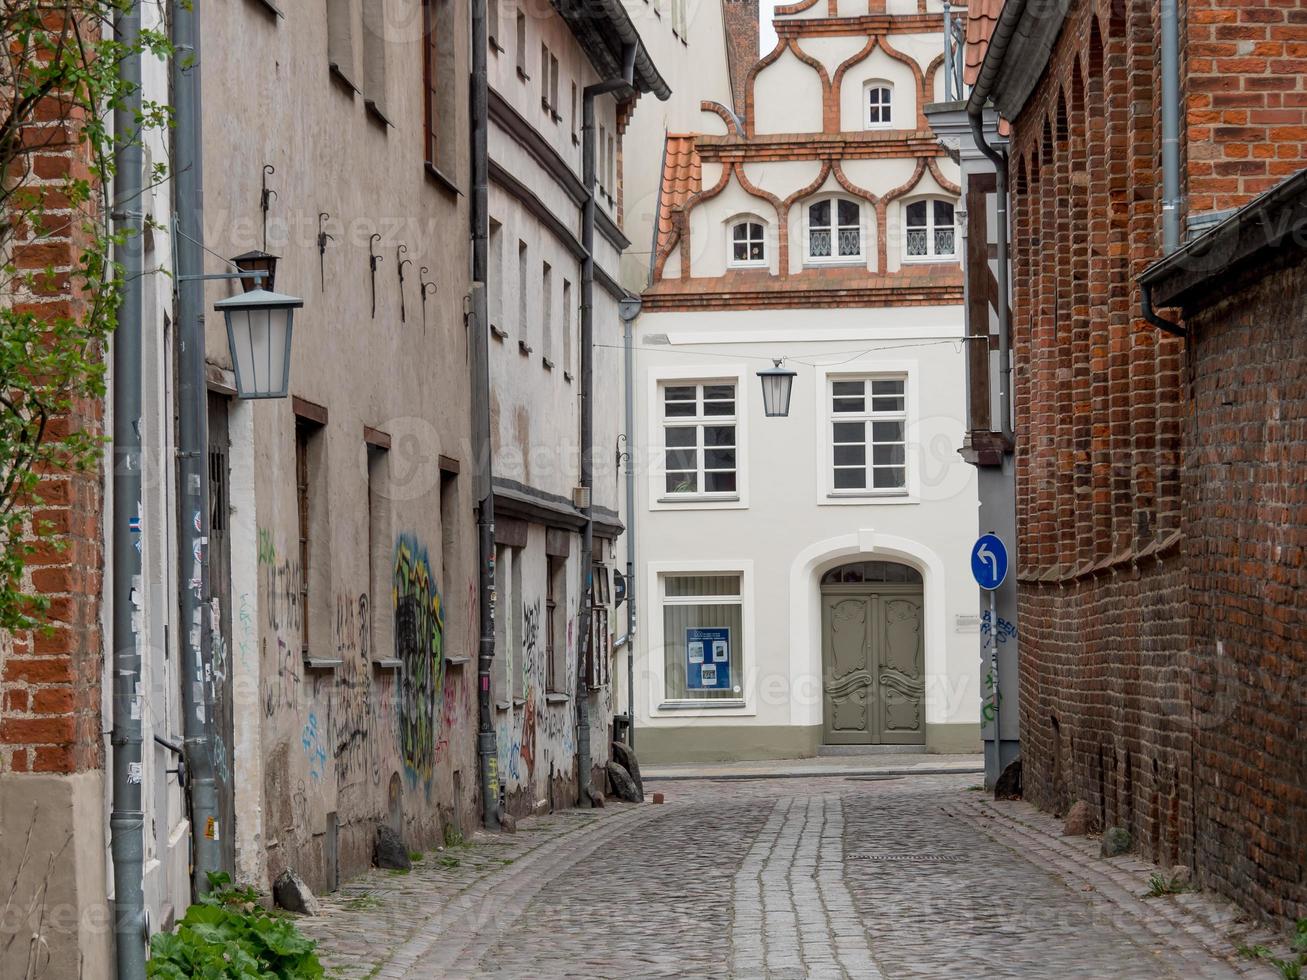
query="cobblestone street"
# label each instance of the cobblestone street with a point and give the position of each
(859, 876)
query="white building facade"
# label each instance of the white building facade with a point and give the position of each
(804, 580)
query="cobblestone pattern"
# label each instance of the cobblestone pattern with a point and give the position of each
(822, 878)
(794, 916)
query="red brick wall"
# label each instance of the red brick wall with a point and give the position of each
(1245, 520)
(50, 679)
(742, 28)
(1119, 613)
(1246, 97)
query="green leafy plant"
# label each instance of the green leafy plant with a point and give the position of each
(1160, 884)
(1292, 967)
(227, 935)
(59, 83)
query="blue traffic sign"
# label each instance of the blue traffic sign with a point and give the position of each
(989, 561)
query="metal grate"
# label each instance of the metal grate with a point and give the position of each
(908, 858)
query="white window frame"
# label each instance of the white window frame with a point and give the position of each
(823, 460)
(673, 710)
(697, 422)
(746, 219)
(738, 374)
(834, 258)
(931, 227)
(887, 107)
(867, 417)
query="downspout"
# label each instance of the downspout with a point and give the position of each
(479, 343)
(192, 446)
(1170, 68)
(127, 820)
(589, 94)
(628, 357)
(975, 114)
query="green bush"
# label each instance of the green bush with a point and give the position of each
(227, 935)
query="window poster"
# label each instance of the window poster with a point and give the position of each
(708, 658)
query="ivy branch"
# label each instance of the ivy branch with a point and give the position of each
(59, 85)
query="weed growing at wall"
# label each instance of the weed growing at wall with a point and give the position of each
(227, 934)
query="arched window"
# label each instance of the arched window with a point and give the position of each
(878, 101)
(929, 230)
(747, 244)
(834, 230)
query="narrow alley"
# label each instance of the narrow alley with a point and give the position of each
(832, 876)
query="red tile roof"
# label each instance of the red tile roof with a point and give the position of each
(682, 177)
(982, 17)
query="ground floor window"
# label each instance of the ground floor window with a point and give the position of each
(703, 635)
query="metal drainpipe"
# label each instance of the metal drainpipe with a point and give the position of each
(589, 94)
(127, 821)
(192, 445)
(628, 357)
(1170, 68)
(487, 752)
(999, 159)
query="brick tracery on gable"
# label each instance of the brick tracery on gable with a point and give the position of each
(829, 152)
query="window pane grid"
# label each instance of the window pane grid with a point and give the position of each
(699, 447)
(868, 435)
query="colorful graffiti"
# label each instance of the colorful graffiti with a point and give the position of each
(419, 646)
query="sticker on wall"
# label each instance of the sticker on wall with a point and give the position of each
(211, 828)
(715, 643)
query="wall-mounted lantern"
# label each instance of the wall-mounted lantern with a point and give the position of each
(258, 331)
(257, 261)
(777, 384)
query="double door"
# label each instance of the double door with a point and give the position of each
(873, 675)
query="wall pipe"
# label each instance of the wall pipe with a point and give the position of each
(1170, 67)
(975, 115)
(479, 342)
(629, 313)
(626, 81)
(126, 819)
(192, 446)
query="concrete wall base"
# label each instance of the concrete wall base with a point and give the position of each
(52, 854)
(745, 743)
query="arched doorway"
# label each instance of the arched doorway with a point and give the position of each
(872, 654)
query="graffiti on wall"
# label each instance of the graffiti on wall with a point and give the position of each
(537, 735)
(419, 646)
(351, 700)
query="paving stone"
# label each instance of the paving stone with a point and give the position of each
(776, 878)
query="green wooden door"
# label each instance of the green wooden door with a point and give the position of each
(872, 665)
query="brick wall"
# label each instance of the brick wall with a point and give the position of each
(1246, 95)
(50, 679)
(742, 29)
(1245, 519)
(1132, 567)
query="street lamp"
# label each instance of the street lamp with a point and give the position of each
(257, 261)
(258, 333)
(777, 383)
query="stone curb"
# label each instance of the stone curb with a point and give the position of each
(1197, 928)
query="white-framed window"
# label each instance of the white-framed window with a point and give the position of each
(703, 636)
(878, 100)
(834, 230)
(747, 242)
(508, 682)
(699, 439)
(868, 434)
(929, 230)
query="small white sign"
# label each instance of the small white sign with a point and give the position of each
(967, 624)
(708, 674)
(696, 652)
(719, 655)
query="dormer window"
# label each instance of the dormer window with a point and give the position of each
(748, 243)
(879, 107)
(929, 231)
(834, 230)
